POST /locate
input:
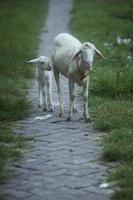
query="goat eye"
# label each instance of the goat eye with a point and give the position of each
(88, 47)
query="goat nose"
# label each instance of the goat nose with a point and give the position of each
(88, 65)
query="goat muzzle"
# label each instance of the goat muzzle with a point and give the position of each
(88, 66)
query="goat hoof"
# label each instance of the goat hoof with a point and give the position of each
(88, 120)
(51, 109)
(39, 106)
(75, 110)
(69, 119)
(45, 109)
(61, 115)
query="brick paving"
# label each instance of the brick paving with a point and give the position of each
(63, 163)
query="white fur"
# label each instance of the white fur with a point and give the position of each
(67, 52)
(44, 80)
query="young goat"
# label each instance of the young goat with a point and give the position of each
(74, 60)
(44, 80)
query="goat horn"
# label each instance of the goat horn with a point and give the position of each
(100, 54)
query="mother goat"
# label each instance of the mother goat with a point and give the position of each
(74, 60)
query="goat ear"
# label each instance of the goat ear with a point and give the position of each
(76, 54)
(99, 54)
(33, 61)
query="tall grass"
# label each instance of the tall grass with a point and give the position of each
(20, 26)
(111, 82)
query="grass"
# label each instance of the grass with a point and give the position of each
(11, 148)
(20, 24)
(111, 82)
(114, 114)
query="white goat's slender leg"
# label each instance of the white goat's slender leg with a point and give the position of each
(45, 108)
(74, 107)
(57, 79)
(72, 97)
(39, 96)
(49, 98)
(85, 98)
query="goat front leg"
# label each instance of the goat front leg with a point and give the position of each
(49, 98)
(72, 97)
(85, 98)
(45, 108)
(57, 79)
(39, 96)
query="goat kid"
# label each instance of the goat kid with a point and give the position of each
(74, 60)
(44, 80)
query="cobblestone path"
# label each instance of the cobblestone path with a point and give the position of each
(64, 161)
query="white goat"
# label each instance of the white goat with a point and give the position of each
(73, 60)
(44, 79)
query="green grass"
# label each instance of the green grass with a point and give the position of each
(20, 24)
(124, 177)
(11, 147)
(111, 82)
(114, 143)
(113, 114)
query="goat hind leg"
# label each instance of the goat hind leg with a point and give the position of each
(49, 98)
(57, 79)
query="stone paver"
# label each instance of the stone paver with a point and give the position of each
(64, 161)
